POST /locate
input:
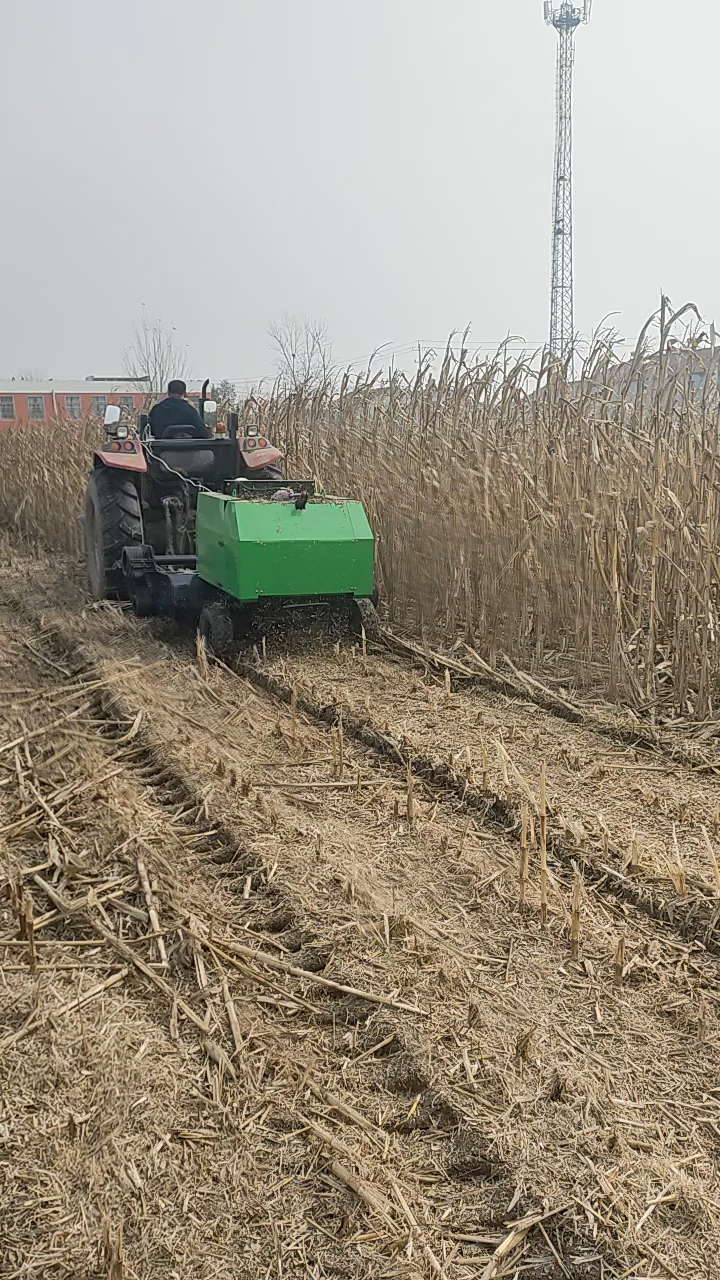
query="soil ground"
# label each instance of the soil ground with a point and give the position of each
(269, 1003)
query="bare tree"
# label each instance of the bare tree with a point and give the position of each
(154, 354)
(303, 352)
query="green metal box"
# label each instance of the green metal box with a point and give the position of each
(255, 549)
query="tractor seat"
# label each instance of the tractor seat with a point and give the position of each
(181, 431)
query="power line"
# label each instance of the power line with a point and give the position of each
(386, 353)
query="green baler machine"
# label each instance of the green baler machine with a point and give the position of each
(253, 550)
(260, 551)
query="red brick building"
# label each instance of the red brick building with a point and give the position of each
(37, 401)
(22, 401)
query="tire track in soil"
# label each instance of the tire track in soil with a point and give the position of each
(169, 792)
(201, 1124)
(493, 1000)
(623, 840)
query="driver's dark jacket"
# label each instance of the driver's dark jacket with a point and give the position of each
(176, 412)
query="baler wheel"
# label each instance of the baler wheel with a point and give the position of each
(113, 520)
(366, 619)
(217, 628)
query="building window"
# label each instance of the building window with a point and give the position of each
(7, 409)
(98, 405)
(126, 403)
(36, 408)
(73, 407)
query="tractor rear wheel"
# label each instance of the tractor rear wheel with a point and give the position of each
(113, 520)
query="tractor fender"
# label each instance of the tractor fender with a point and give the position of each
(254, 458)
(125, 459)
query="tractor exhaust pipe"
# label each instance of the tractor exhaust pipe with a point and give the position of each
(203, 397)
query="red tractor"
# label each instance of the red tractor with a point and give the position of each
(142, 493)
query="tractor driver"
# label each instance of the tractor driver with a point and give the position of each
(168, 416)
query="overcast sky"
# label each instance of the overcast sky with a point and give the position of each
(382, 165)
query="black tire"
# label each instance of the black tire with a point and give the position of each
(217, 628)
(365, 619)
(113, 520)
(268, 473)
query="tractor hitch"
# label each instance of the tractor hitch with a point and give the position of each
(163, 585)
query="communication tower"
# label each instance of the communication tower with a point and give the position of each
(565, 18)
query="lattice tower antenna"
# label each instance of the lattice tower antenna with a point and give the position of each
(565, 18)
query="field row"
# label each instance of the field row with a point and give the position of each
(316, 1034)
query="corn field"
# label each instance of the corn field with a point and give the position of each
(376, 970)
(573, 528)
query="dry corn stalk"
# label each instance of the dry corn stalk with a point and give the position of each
(524, 857)
(28, 930)
(293, 715)
(575, 916)
(152, 910)
(522, 1044)
(713, 859)
(677, 870)
(112, 1250)
(634, 861)
(341, 748)
(702, 1020)
(543, 847)
(410, 796)
(510, 768)
(232, 1016)
(202, 659)
(619, 966)
(503, 761)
